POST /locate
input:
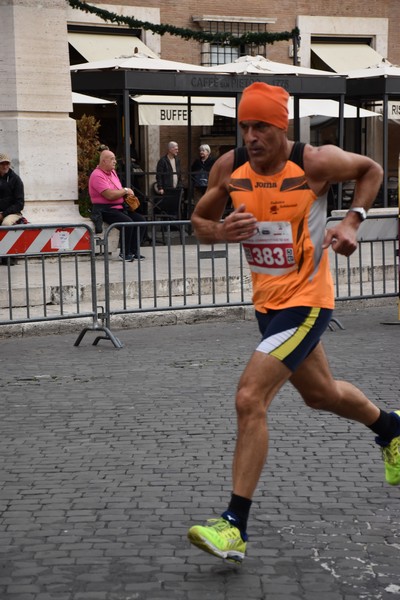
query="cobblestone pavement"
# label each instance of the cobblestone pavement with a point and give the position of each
(110, 455)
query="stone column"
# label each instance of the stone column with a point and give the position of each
(35, 101)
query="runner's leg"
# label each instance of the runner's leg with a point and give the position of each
(259, 383)
(319, 390)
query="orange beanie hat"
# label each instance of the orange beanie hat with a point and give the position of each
(267, 103)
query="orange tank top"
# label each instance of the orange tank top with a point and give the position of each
(288, 265)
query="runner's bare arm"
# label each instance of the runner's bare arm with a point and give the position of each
(329, 164)
(206, 217)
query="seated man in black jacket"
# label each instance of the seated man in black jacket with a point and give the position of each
(11, 198)
(11, 193)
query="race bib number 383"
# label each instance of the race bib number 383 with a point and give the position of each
(270, 249)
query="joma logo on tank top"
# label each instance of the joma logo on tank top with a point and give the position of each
(292, 184)
(265, 184)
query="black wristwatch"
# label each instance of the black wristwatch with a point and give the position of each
(362, 213)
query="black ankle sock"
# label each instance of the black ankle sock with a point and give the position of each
(387, 426)
(239, 509)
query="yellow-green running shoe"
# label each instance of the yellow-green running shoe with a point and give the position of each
(391, 458)
(220, 538)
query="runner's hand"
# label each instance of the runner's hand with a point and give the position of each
(239, 225)
(342, 238)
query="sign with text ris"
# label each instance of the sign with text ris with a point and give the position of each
(394, 110)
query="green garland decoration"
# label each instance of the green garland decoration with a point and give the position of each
(188, 34)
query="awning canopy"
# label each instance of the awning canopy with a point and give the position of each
(93, 46)
(347, 57)
(120, 79)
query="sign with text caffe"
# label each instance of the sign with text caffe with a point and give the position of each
(237, 83)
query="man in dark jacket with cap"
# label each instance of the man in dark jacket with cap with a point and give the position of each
(11, 193)
(11, 198)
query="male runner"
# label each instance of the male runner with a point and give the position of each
(279, 199)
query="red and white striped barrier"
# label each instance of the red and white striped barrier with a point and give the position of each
(44, 240)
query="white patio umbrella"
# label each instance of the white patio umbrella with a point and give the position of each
(245, 64)
(308, 108)
(84, 99)
(259, 64)
(139, 62)
(382, 69)
(328, 108)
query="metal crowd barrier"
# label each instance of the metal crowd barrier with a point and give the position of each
(372, 271)
(183, 274)
(62, 277)
(58, 278)
(177, 274)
